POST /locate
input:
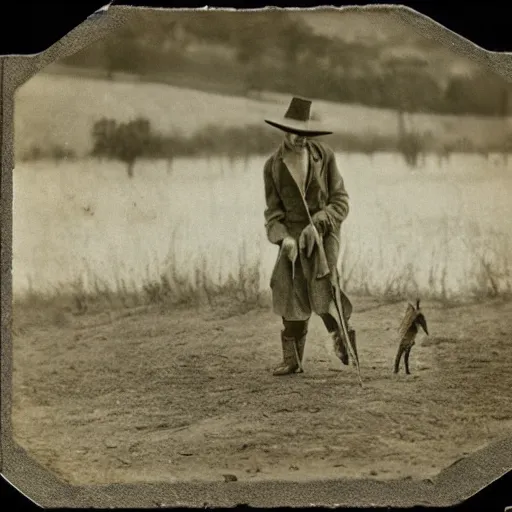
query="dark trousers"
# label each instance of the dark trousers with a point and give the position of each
(297, 329)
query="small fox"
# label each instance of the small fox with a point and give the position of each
(407, 333)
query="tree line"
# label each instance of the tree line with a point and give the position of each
(136, 139)
(128, 141)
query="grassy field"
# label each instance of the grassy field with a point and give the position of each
(53, 109)
(442, 231)
(143, 335)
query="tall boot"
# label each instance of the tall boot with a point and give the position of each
(339, 346)
(301, 343)
(289, 364)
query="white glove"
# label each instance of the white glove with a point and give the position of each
(289, 248)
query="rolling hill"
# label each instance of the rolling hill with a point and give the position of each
(55, 109)
(366, 57)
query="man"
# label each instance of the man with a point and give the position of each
(301, 172)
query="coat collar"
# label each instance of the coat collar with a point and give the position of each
(313, 152)
(314, 160)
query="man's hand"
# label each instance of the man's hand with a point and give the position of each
(289, 248)
(321, 222)
(308, 238)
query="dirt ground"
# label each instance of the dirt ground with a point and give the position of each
(153, 395)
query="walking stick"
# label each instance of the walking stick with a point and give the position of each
(301, 370)
(323, 270)
(353, 353)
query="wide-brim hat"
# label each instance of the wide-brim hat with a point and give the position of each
(297, 119)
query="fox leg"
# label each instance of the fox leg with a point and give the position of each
(406, 359)
(398, 357)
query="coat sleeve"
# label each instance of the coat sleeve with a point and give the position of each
(274, 212)
(337, 207)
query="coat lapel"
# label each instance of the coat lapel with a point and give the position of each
(315, 164)
(290, 170)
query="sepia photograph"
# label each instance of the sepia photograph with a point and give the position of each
(261, 246)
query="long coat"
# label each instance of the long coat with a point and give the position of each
(285, 215)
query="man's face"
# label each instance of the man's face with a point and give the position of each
(295, 142)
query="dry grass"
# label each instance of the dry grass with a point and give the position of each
(85, 236)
